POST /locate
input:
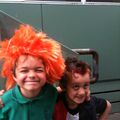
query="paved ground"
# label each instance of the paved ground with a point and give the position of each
(115, 116)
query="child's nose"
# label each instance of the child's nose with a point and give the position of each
(81, 91)
(31, 74)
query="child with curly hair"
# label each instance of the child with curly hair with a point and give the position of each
(75, 101)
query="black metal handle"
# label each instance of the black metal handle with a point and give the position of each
(95, 58)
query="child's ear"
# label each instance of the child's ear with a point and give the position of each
(14, 77)
(13, 74)
(87, 95)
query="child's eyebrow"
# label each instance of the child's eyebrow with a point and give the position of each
(40, 67)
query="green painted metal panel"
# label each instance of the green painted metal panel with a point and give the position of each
(27, 13)
(108, 96)
(115, 107)
(106, 86)
(89, 26)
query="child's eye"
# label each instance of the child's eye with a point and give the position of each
(86, 86)
(23, 71)
(39, 70)
(78, 86)
(75, 86)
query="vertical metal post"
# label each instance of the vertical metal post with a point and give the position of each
(83, 1)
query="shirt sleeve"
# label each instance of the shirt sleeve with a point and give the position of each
(2, 115)
(100, 104)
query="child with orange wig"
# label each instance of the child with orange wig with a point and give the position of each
(32, 62)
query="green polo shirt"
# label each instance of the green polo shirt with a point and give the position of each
(17, 107)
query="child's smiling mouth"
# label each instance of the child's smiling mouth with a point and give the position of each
(31, 81)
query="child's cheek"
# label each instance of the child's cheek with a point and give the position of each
(87, 95)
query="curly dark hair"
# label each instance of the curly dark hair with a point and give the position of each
(74, 65)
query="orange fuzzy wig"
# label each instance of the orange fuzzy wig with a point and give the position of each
(27, 41)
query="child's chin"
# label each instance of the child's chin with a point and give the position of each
(32, 88)
(80, 101)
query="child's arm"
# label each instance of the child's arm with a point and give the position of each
(59, 89)
(105, 114)
(1, 103)
(1, 93)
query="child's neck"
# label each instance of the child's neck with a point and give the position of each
(30, 94)
(71, 104)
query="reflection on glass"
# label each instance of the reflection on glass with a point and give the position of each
(7, 25)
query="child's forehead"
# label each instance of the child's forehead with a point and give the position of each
(77, 77)
(28, 58)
